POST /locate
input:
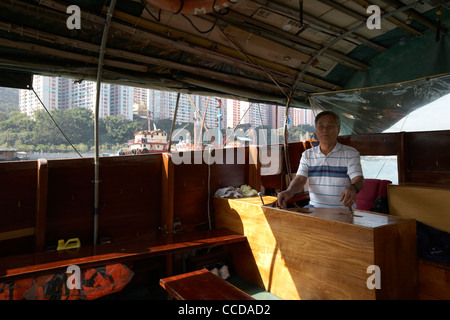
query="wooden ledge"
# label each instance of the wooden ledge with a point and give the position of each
(135, 249)
(202, 285)
(434, 280)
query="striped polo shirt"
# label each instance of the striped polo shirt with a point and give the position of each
(329, 175)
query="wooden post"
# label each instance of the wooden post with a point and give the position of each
(401, 159)
(41, 204)
(167, 199)
(173, 122)
(254, 172)
(167, 193)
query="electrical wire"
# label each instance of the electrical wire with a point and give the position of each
(249, 59)
(196, 28)
(158, 19)
(60, 130)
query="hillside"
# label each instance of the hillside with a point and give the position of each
(9, 99)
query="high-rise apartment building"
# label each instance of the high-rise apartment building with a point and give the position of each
(73, 93)
(234, 113)
(121, 101)
(47, 90)
(162, 104)
(64, 93)
(242, 112)
(296, 116)
(140, 96)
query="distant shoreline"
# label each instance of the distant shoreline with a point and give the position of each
(68, 155)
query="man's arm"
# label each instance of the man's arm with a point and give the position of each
(295, 186)
(348, 195)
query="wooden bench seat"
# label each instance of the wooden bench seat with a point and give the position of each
(202, 285)
(428, 204)
(27, 265)
(434, 280)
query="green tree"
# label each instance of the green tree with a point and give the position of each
(81, 147)
(297, 132)
(62, 148)
(42, 148)
(118, 130)
(45, 132)
(76, 124)
(14, 121)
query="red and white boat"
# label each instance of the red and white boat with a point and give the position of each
(146, 142)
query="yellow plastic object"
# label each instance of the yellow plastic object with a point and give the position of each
(70, 244)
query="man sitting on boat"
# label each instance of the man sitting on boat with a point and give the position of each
(334, 170)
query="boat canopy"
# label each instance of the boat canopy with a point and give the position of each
(385, 108)
(276, 52)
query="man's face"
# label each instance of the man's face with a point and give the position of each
(327, 130)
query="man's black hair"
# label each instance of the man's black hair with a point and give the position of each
(324, 113)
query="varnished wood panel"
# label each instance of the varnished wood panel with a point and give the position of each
(427, 159)
(191, 193)
(17, 194)
(319, 255)
(434, 280)
(167, 193)
(130, 250)
(395, 254)
(41, 203)
(70, 201)
(195, 181)
(202, 285)
(130, 196)
(17, 206)
(377, 144)
(254, 178)
(429, 205)
(295, 151)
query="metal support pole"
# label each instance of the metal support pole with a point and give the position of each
(173, 122)
(96, 115)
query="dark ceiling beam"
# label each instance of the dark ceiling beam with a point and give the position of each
(288, 39)
(44, 50)
(110, 52)
(89, 73)
(279, 75)
(283, 75)
(293, 13)
(267, 68)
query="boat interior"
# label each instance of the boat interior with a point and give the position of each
(153, 222)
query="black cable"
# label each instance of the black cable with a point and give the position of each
(200, 31)
(158, 19)
(181, 7)
(300, 4)
(56, 123)
(218, 13)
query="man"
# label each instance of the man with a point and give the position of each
(334, 170)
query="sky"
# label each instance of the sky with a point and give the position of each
(434, 116)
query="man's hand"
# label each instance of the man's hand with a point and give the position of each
(348, 196)
(296, 185)
(283, 198)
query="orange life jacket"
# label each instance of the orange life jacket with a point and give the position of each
(102, 281)
(95, 283)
